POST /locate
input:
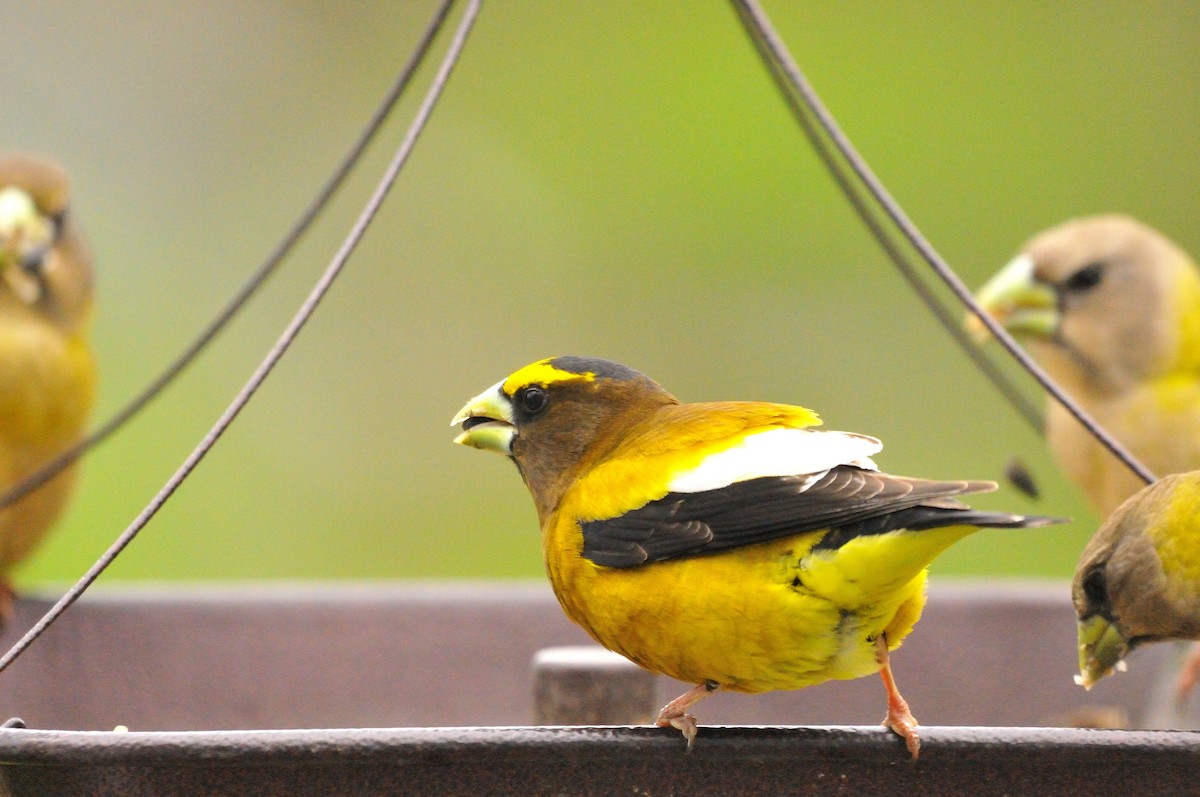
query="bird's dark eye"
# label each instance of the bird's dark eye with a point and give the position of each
(533, 399)
(1095, 587)
(1085, 278)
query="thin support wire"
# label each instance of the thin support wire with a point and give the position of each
(277, 351)
(64, 460)
(758, 25)
(1026, 408)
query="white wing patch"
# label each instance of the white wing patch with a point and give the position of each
(778, 452)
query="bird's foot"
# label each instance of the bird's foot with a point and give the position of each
(685, 723)
(901, 721)
(675, 714)
(899, 718)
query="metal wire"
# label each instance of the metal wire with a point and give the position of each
(64, 460)
(768, 42)
(950, 323)
(277, 351)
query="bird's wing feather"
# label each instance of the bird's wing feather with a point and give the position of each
(779, 451)
(847, 498)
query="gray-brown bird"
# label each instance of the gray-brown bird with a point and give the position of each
(1111, 309)
(1138, 579)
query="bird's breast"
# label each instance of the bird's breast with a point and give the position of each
(1156, 420)
(47, 385)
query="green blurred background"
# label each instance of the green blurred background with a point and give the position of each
(617, 179)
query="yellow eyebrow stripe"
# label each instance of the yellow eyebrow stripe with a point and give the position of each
(541, 373)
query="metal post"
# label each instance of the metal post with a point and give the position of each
(591, 686)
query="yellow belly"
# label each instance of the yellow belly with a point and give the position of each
(47, 386)
(743, 618)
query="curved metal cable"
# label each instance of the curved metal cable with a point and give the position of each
(307, 308)
(1026, 408)
(768, 42)
(64, 460)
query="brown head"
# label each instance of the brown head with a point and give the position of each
(1138, 579)
(45, 265)
(1098, 300)
(555, 416)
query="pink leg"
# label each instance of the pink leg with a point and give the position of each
(8, 600)
(1188, 674)
(674, 714)
(898, 718)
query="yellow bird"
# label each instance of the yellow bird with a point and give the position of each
(1111, 309)
(1138, 580)
(729, 544)
(47, 374)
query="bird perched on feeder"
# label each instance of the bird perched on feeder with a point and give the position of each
(1111, 309)
(728, 544)
(1138, 579)
(47, 374)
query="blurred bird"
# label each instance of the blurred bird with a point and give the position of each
(1111, 309)
(1138, 579)
(724, 544)
(47, 375)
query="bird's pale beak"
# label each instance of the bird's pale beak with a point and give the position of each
(487, 422)
(26, 237)
(1101, 649)
(1018, 300)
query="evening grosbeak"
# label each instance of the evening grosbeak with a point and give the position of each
(1138, 579)
(47, 376)
(1111, 309)
(726, 544)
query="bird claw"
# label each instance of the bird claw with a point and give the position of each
(904, 725)
(675, 714)
(685, 723)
